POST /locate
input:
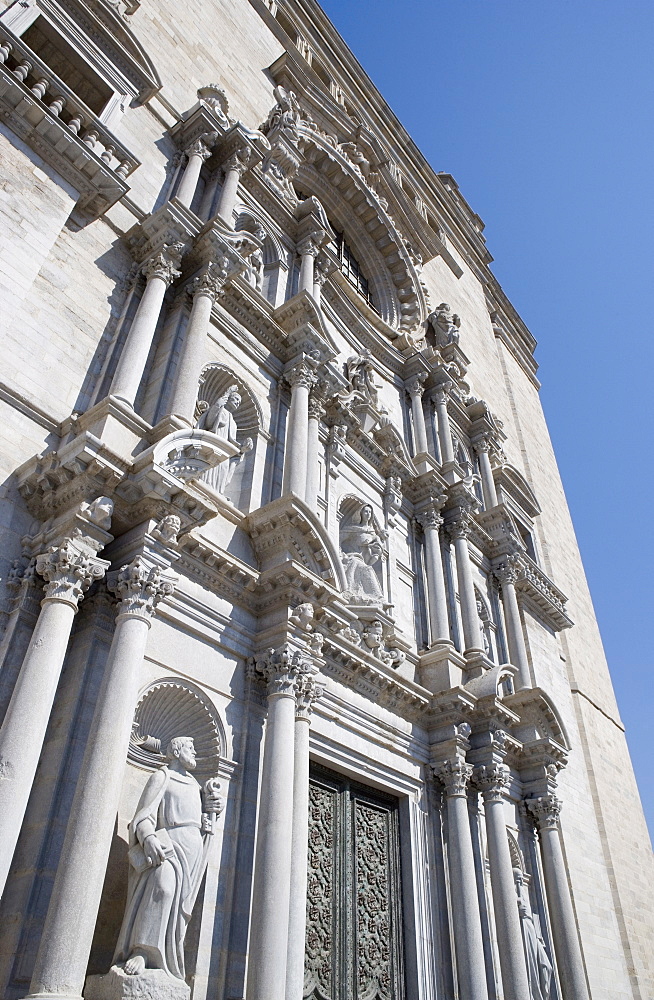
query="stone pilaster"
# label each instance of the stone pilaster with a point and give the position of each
(439, 396)
(67, 935)
(507, 574)
(316, 411)
(301, 378)
(196, 154)
(459, 528)
(415, 387)
(308, 250)
(431, 520)
(69, 567)
(235, 166)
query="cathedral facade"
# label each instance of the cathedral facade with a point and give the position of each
(301, 688)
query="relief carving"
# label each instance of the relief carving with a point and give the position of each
(362, 551)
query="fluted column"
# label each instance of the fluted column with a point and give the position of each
(67, 935)
(235, 166)
(415, 388)
(545, 811)
(308, 250)
(271, 889)
(507, 574)
(439, 626)
(307, 692)
(69, 568)
(160, 271)
(301, 378)
(316, 411)
(197, 153)
(493, 781)
(482, 447)
(204, 290)
(439, 395)
(455, 775)
(459, 528)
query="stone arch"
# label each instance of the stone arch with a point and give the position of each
(378, 246)
(175, 707)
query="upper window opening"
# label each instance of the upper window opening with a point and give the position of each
(322, 74)
(286, 23)
(352, 269)
(46, 42)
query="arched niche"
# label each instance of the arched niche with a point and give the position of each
(362, 547)
(355, 210)
(215, 381)
(269, 267)
(488, 627)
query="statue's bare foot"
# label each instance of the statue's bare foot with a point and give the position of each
(135, 964)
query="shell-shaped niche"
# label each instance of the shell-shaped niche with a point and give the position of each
(172, 707)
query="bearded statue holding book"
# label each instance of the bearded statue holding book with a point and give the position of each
(169, 838)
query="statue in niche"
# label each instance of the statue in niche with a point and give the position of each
(169, 839)
(361, 376)
(218, 418)
(539, 967)
(254, 270)
(286, 113)
(445, 324)
(362, 550)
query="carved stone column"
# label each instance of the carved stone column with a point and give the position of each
(307, 693)
(439, 626)
(234, 168)
(439, 395)
(301, 378)
(67, 934)
(271, 891)
(482, 447)
(316, 410)
(322, 268)
(68, 568)
(160, 271)
(204, 289)
(545, 812)
(459, 528)
(197, 153)
(493, 780)
(308, 250)
(507, 575)
(415, 388)
(455, 775)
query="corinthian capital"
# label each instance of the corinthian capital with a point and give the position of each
(416, 385)
(507, 571)
(461, 524)
(302, 374)
(68, 571)
(545, 811)
(309, 245)
(455, 776)
(492, 781)
(212, 279)
(307, 693)
(165, 263)
(139, 587)
(282, 669)
(202, 146)
(240, 160)
(441, 392)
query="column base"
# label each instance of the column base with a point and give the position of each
(117, 985)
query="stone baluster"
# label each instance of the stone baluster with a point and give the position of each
(69, 568)
(316, 409)
(204, 289)
(196, 154)
(308, 249)
(415, 388)
(507, 574)
(493, 780)
(459, 529)
(455, 775)
(271, 891)
(63, 955)
(234, 167)
(431, 520)
(301, 379)
(160, 271)
(482, 446)
(439, 395)
(307, 693)
(545, 812)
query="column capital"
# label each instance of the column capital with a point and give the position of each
(309, 245)
(307, 693)
(302, 374)
(140, 586)
(493, 781)
(508, 570)
(240, 160)
(545, 811)
(282, 669)
(164, 263)
(316, 403)
(212, 279)
(441, 391)
(482, 443)
(202, 145)
(455, 775)
(69, 571)
(429, 515)
(324, 266)
(415, 386)
(460, 525)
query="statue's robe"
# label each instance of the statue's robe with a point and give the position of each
(160, 898)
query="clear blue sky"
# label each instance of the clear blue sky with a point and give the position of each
(543, 111)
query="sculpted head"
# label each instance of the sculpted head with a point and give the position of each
(181, 749)
(365, 514)
(233, 400)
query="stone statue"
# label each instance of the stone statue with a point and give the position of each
(254, 270)
(361, 549)
(539, 967)
(285, 114)
(445, 325)
(361, 376)
(218, 418)
(169, 837)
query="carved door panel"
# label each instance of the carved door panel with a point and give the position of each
(354, 948)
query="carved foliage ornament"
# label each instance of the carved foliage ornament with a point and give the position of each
(140, 586)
